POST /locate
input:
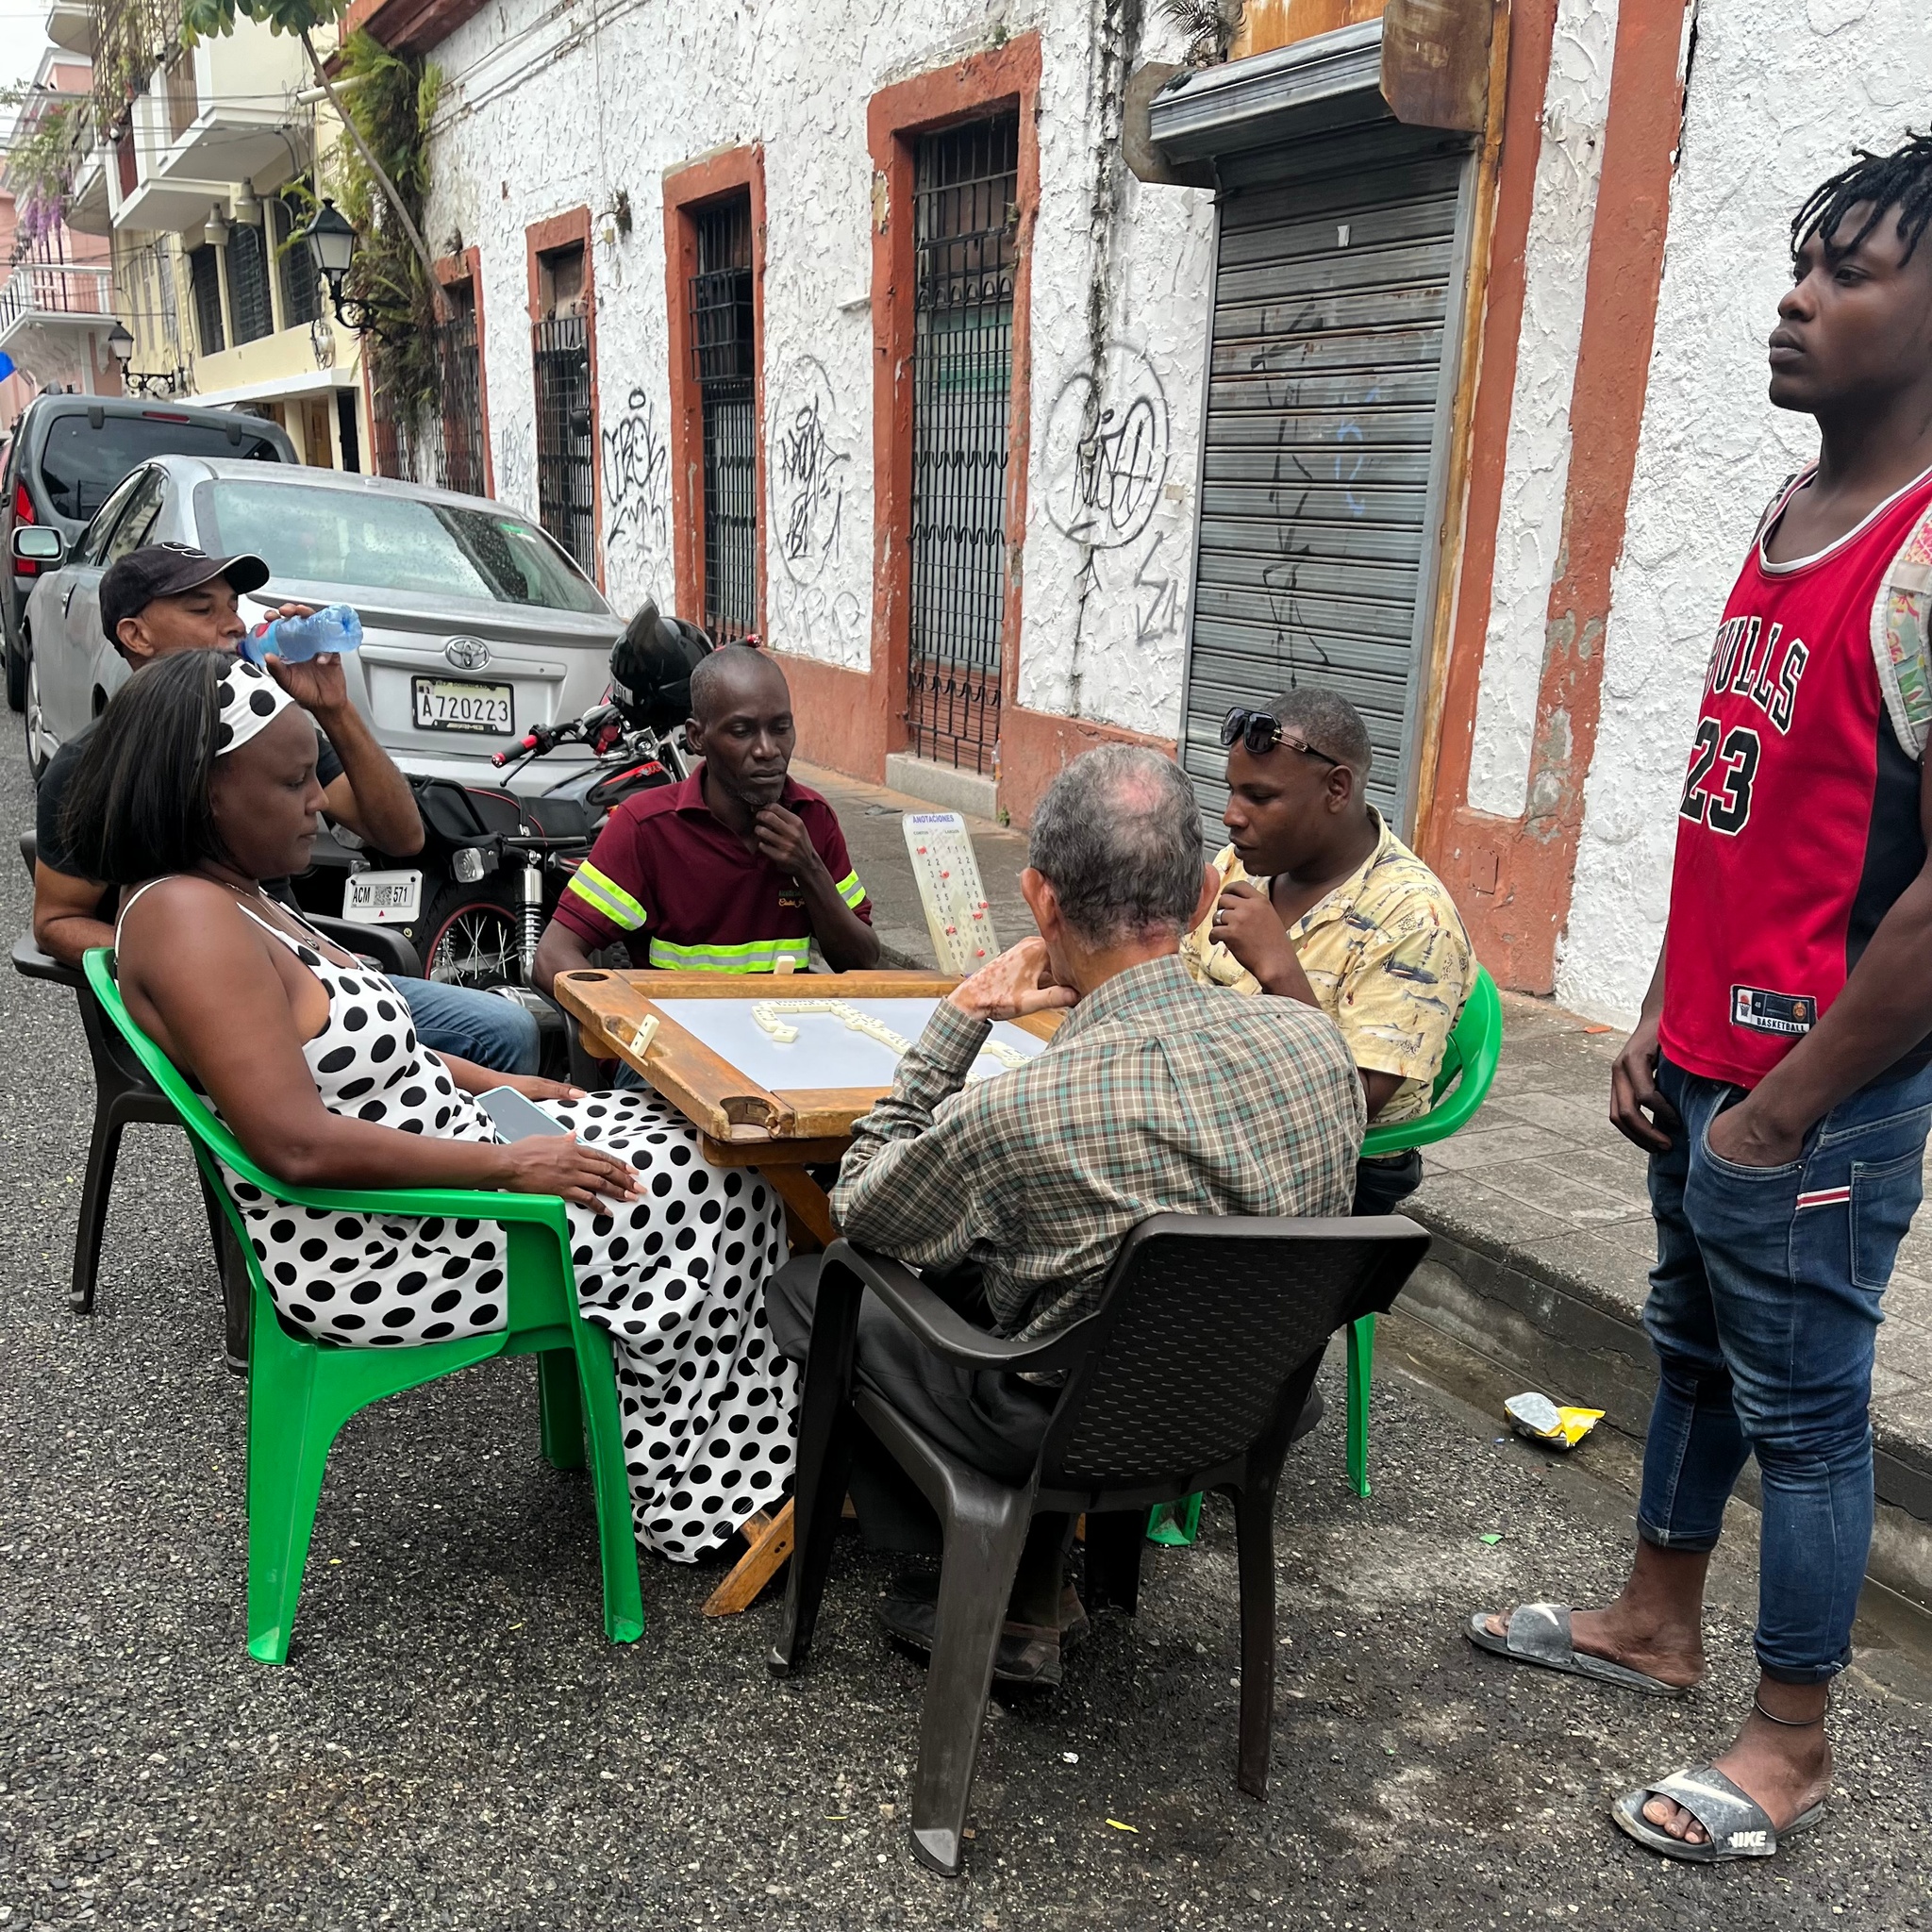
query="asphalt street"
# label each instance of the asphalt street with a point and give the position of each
(452, 1743)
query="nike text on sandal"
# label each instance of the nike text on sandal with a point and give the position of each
(1738, 1826)
(1540, 1634)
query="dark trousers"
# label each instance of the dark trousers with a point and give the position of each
(1382, 1186)
(990, 1421)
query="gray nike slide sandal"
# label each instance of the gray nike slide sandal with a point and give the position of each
(1738, 1826)
(1540, 1634)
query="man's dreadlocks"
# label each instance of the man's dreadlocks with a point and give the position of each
(1901, 180)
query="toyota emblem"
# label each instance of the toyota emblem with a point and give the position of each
(467, 654)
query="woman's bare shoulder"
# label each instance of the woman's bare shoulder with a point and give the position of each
(183, 917)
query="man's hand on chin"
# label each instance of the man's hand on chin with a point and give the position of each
(1019, 981)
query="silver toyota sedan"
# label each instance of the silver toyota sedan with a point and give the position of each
(475, 623)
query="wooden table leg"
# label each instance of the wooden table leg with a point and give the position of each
(810, 1207)
(769, 1534)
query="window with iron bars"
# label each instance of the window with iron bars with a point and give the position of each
(566, 437)
(393, 446)
(248, 284)
(460, 454)
(301, 285)
(206, 274)
(965, 227)
(724, 366)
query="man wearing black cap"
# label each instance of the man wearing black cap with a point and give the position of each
(169, 597)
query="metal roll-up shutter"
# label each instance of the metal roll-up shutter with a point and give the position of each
(1338, 296)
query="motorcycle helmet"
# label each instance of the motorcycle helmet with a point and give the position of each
(650, 669)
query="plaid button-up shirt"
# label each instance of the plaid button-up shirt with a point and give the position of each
(1155, 1096)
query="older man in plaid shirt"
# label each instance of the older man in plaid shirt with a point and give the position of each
(1156, 1095)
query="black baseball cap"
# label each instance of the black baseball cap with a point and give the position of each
(166, 570)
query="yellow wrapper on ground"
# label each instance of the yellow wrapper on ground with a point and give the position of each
(1539, 1418)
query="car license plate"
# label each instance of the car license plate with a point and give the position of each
(383, 898)
(453, 703)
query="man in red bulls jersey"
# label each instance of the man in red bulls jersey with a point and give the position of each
(1780, 1076)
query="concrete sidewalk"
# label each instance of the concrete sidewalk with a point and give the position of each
(1538, 1207)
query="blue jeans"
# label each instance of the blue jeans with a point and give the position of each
(1764, 1310)
(494, 1033)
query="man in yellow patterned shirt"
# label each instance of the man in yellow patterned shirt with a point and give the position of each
(1323, 903)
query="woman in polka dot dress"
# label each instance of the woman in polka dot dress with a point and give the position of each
(191, 793)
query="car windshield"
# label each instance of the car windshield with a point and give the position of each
(81, 464)
(384, 543)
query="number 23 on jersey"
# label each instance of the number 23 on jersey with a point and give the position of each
(1717, 788)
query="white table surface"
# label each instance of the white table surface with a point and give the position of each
(826, 1053)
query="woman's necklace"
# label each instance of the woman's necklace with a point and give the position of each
(273, 906)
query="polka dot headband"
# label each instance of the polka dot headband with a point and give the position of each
(250, 701)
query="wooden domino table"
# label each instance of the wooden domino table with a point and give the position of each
(782, 1106)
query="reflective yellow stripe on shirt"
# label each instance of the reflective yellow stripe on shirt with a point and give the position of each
(755, 956)
(603, 894)
(850, 889)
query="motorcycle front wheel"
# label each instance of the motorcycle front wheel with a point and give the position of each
(473, 937)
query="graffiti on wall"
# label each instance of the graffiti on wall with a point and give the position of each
(515, 471)
(808, 472)
(1108, 452)
(636, 480)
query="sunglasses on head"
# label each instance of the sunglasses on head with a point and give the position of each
(1260, 732)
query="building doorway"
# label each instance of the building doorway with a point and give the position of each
(566, 433)
(725, 367)
(1339, 294)
(966, 230)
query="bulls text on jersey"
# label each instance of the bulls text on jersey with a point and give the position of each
(1738, 665)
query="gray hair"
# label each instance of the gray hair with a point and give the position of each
(1118, 836)
(1330, 723)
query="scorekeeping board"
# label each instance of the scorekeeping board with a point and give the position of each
(947, 872)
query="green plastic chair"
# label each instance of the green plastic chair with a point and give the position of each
(1462, 1084)
(301, 1391)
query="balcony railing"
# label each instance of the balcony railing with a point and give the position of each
(133, 38)
(56, 287)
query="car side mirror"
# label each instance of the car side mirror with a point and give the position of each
(38, 544)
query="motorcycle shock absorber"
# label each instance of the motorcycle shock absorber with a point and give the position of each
(532, 915)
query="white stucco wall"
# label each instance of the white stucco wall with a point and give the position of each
(1779, 91)
(548, 107)
(1536, 467)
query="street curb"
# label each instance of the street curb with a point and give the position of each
(1565, 1334)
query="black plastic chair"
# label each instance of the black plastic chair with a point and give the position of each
(125, 1097)
(1189, 1376)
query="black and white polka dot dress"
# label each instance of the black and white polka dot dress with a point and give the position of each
(676, 1278)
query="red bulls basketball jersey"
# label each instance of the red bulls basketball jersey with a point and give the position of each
(1799, 824)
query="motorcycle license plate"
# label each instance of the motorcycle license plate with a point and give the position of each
(455, 704)
(383, 898)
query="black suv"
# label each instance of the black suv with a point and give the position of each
(66, 455)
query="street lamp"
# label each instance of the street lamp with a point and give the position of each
(331, 249)
(215, 229)
(138, 382)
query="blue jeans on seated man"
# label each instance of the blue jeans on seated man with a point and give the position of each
(472, 1025)
(1764, 1312)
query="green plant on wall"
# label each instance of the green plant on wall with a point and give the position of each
(389, 99)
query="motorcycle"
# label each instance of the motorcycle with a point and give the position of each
(475, 900)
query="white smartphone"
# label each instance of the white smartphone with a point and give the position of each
(517, 1118)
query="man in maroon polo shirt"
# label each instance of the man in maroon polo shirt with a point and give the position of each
(733, 871)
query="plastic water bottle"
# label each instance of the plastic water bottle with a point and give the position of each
(295, 640)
